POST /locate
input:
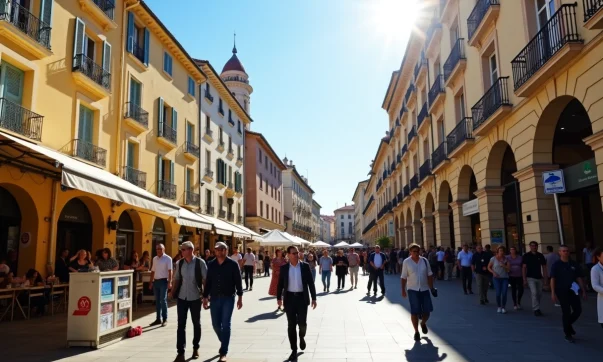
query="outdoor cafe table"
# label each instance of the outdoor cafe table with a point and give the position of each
(16, 291)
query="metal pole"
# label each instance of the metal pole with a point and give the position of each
(559, 219)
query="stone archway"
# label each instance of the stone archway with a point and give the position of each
(466, 227)
(443, 216)
(417, 225)
(429, 233)
(408, 227)
(397, 242)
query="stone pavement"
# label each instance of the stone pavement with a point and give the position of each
(346, 326)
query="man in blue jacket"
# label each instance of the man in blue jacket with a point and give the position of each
(376, 262)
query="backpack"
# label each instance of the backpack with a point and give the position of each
(198, 276)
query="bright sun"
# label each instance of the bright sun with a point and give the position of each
(393, 18)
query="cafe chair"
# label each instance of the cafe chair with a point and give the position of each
(137, 293)
(60, 294)
(33, 292)
(6, 303)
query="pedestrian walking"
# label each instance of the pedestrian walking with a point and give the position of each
(354, 265)
(596, 278)
(249, 267)
(479, 266)
(448, 263)
(312, 264)
(325, 267)
(566, 283)
(441, 255)
(393, 261)
(277, 262)
(589, 262)
(223, 282)
(161, 281)
(363, 261)
(341, 268)
(402, 254)
(464, 259)
(534, 270)
(489, 255)
(377, 261)
(189, 276)
(417, 282)
(551, 257)
(267, 265)
(499, 267)
(295, 292)
(515, 276)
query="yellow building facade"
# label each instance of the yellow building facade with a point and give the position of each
(490, 95)
(99, 133)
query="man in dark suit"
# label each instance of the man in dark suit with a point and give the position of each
(376, 261)
(295, 287)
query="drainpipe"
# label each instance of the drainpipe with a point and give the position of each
(122, 85)
(52, 237)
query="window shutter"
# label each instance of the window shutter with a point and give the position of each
(78, 37)
(159, 173)
(174, 119)
(147, 41)
(107, 56)
(46, 11)
(172, 173)
(218, 170)
(131, 40)
(160, 119)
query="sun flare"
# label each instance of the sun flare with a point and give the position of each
(393, 18)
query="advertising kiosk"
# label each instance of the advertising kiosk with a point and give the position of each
(100, 308)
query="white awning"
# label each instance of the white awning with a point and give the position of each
(84, 177)
(189, 218)
(253, 235)
(225, 228)
(277, 238)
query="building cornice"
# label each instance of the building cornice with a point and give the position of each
(264, 142)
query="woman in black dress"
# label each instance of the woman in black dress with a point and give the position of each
(341, 268)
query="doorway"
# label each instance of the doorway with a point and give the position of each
(74, 228)
(10, 227)
(124, 242)
(159, 235)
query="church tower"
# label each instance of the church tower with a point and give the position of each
(237, 80)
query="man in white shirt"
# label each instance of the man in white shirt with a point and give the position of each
(464, 260)
(249, 267)
(417, 279)
(161, 281)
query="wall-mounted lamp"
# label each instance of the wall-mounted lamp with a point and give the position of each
(112, 225)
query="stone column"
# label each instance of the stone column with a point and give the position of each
(428, 231)
(442, 223)
(596, 143)
(409, 235)
(462, 224)
(491, 214)
(417, 232)
(402, 237)
(537, 209)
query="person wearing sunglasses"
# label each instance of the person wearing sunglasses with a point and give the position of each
(161, 281)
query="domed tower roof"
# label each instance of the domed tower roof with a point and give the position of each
(234, 63)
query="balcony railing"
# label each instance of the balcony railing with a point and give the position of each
(560, 30)
(414, 182)
(18, 119)
(439, 155)
(392, 167)
(394, 202)
(209, 96)
(135, 112)
(412, 133)
(406, 190)
(191, 148)
(422, 115)
(12, 12)
(409, 92)
(230, 185)
(222, 214)
(87, 66)
(591, 7)
(191, 198)
(461, 133)
(89, 152)
(422, 61)
(169, 133)
(369, 226)
(240, 219)
(370, 201)
(435, 25)
(425, 170)
(230, 217)
(399, 158)
(404, 150)
(209, 173)
(494, 98)
(209, 210)
(235, 78)
(436, 89)
(456, 55)
(137, 51)
(477, 15)
(209, 132)
(135, 177)
(107, 6)
(400, 197)
(167, 190)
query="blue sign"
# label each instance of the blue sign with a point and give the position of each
(553, 182)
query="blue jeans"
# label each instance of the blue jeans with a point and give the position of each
(313, 274)
(221, 313)
(326, 279)
(160, 288)
(501, 285)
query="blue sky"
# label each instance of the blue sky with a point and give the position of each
(319, 69)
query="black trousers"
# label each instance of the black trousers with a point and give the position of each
(266, 269)
(516, 289)
(195, 308)
(373, 276)
(340, 281)
(467, 276)
(296, 309)
(248, 275)
(571, 308)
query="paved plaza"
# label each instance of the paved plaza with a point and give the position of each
(346, 326)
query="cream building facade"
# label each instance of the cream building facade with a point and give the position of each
(344, 223)
(315, 221)
(489, 96)
(298, 202)
(327, 228)
(359, 205)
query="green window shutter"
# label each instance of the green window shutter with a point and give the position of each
(147, 40)
(79, 33)
(107, 56)
(130, 41)
(174, 119)
(160, 119)
(159, 173)
(172, 173)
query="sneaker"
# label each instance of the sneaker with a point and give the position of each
(470, 292)
(538, 313)
(503, 310)
(292, 356)
(302, 343)
(155, 323)
(368, 294)
(499, 310)
(355, 287)
(180, 358)
(570, 339)
(417, 336)
(164, 323)
(424, 328)
(195, 353)
(250, 289)
(557, 305)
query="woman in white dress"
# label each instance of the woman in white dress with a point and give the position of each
(596, 278)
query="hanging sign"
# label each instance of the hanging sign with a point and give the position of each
(471, 207)
(553, 182)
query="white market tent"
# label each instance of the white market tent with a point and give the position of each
(277, 238)
(321, 244)
(303, 242)
(356, 245)
(342, 244)
(300, 241)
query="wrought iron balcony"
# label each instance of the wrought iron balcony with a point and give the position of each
(208, 96)
(392, 167)
(394, 202)
(192, 149)
(436, 89)
(230, 217)
(560, 30)
(399, 158)
(404, 150)
(591, 7)
(239, 159)
(370, 201)
(135, 177)
(422, 115)
(222, 214)
(409, 92)
(209, 132)
(461, 133)
(400, 196)
(406, 190)
(422, 62)
(414, 182)
(167, 190)
(89, 152)
(135, 112)
(238, 189)
(209, 173)
(230, 185)
(87, 66)
(494, 98)
(221, 144)
(379, 184)
(21, 120)
(369, 226)
(477, 15)
(169, 133)
(425, 170)
(403, 109)
(209, 210)
(137, 50)
(456, 55)
(240, 219)
(412, 133)
(107, 6)
(191, 198)
(439, 155)
(384, 174)
(235, 78)
(12, 12)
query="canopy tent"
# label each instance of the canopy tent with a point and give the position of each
(321, 244)
(189, 218)
(356, 245)
(303, 242)
(342, 244)
(226, 228)
(253, 235)
(277, 238)
(300, 241)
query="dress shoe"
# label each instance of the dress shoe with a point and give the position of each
(155, 323)
(292, 356)
(180, 358)
(195, 353)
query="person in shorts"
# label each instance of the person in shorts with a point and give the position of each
(417, 284)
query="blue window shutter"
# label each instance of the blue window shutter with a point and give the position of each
(147, 40)
(165, 62)
(172, 173)
(170, 58)
(130, 41)
(159, 173)
(107, 56)
(218, 170)
(78, 37)
(174, 119)
(160, 119)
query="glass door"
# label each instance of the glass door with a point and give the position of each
(123, 248)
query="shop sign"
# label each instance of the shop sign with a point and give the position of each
(471, 207)
(581, 175)
(553, 182)
(25, 239)
(83, 306)
(496, 236)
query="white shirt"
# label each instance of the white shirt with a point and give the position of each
(295, 278)
(377, 260)
(249, 259)
(440, 255)
(162, 266)
(464, 257)
(416, 274)
(236, 257)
